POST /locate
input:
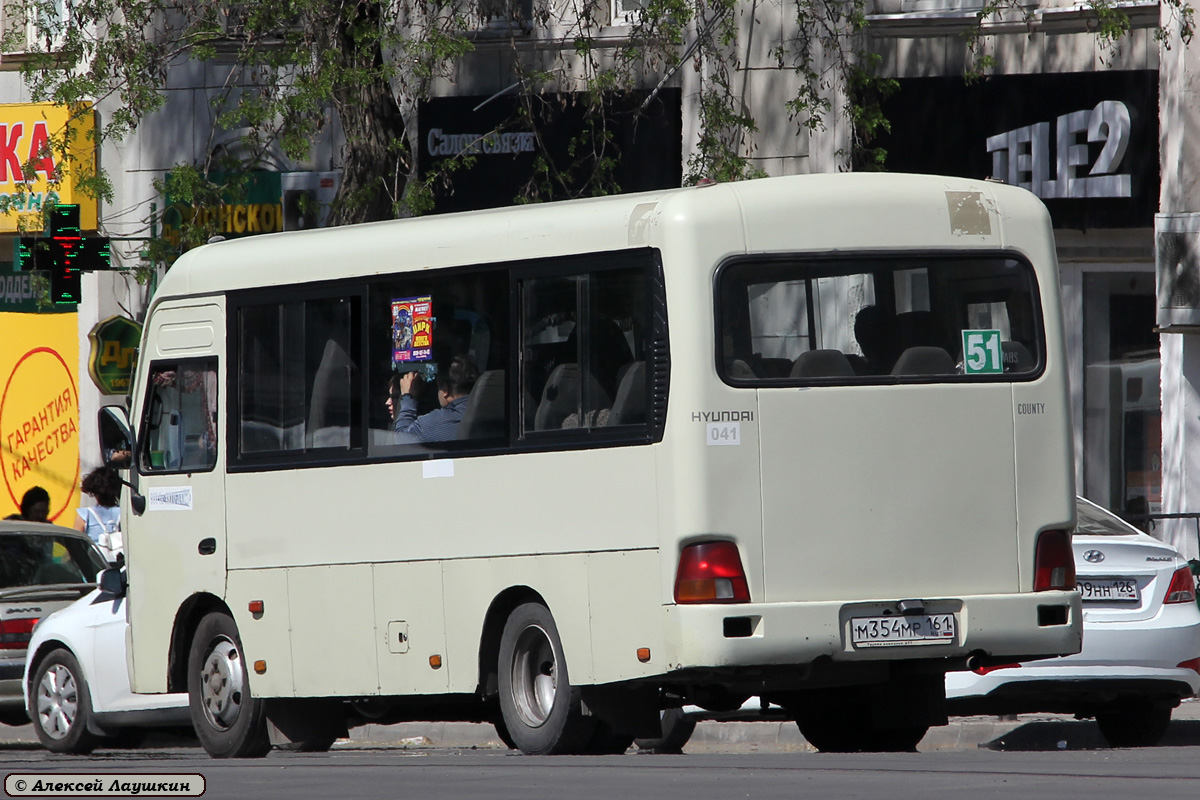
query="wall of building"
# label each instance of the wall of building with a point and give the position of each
(1180, 204)
(1033, 68)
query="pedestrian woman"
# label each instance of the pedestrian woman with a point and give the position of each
(101, 521)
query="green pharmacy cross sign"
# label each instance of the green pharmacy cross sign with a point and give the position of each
(114, 354)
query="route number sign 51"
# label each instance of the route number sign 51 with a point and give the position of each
(982, 353)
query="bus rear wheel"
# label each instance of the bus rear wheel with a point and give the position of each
(540, 709)
(841, 721)
(677, 729)
(229, 721)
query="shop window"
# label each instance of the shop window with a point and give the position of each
(42, 31)
(179, 431)
(625, 12)
(297, 376)
(943, 6)
(1122, 424)
(506, 15)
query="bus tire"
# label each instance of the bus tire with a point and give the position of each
(540, 709)
(854, 733)
(607, 742)
(229, 721)
(502, 732)
(677, 729)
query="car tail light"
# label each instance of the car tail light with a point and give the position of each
(1182, 588)
(1054, 563)
(711, 573)
(15, 633)
(1192, 663)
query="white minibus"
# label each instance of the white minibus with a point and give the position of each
(559, 467)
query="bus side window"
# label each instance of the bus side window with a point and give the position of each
(584, 346)
(419, 324)
(298, 377)
(180, 427)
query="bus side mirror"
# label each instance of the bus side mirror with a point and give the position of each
(116, 440)
(116, 448)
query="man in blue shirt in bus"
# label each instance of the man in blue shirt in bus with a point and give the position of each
(441, 424)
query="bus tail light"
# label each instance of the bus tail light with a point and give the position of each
(1054, 562)
(15, 633)
(711, 572)
(1182, 588)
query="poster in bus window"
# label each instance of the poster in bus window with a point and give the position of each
(412, 330)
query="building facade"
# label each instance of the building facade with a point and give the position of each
(1100, 131)
(1104, 132)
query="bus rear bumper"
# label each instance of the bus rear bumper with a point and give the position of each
(1027, 625)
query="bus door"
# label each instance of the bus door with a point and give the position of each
(180, 467)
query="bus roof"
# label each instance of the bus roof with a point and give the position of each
(834, 211)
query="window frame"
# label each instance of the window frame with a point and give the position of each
(900, 256)
(657, 357)
(278, 296)
(574, 438)
(142, 435)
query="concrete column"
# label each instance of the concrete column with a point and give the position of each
(1179, 136)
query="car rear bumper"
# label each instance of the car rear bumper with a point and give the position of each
(1078, 693)
(763, 634)
(1141, 657)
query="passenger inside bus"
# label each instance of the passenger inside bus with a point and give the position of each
(875, 334)
(454, 387)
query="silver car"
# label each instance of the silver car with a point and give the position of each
(43, 568)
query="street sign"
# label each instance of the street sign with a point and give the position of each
(114, 353)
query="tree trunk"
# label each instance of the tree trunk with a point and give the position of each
(374, 157)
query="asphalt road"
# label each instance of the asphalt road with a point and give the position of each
(449, 774)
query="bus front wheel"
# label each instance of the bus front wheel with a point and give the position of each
(540, 709)
(229, 721)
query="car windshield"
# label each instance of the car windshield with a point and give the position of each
(1095, 520)
(39, 559)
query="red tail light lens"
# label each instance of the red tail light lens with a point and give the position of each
(1054, 563)
(15, 633)
(1182, 588)
(711, 573)
(1192, 664)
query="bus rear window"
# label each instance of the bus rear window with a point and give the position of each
(878, 319)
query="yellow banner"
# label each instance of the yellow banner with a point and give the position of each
(31, 139)
(39, 411)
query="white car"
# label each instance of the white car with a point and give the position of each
(76, 680)
(1141, 641)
